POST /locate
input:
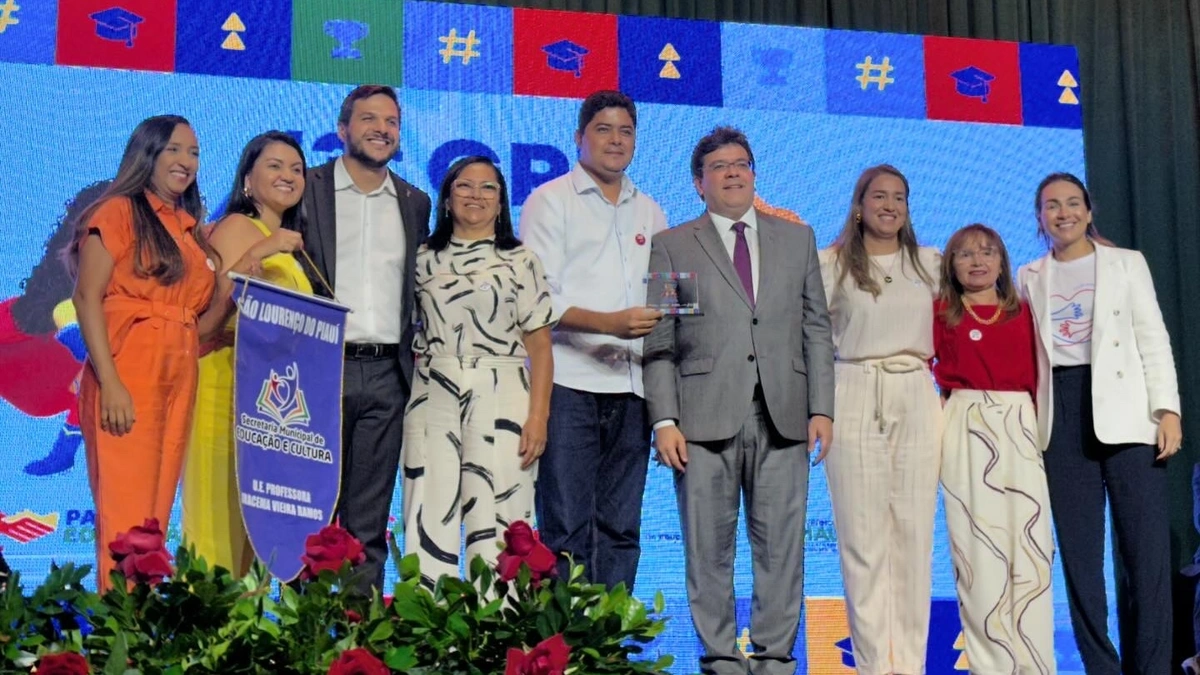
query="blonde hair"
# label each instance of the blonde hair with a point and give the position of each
(851, 252)
(951, 293)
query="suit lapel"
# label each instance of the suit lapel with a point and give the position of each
(325, 224)
(412, 235)
(770, 258)
(710, 241)
(1038, 292)
(1109, 278)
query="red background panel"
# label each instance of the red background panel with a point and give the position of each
(153, 48)
(944, 56)
(536, 28)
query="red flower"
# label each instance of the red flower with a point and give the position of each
(521, 545)
(520, 538)
(353, 616)
(549, 657)
(358, 662)
(65, 663)
(328, 549)
(140, 555)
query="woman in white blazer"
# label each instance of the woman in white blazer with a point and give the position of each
(1108, 418)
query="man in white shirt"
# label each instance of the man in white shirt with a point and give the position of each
(362, 227)
(592, 229)
(738, 395)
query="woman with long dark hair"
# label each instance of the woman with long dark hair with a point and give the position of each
(1108, 419)
(476, 423)
(143, 297)
(993, 479)
(261, 221)
(883, 466)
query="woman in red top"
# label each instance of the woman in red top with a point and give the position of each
(993, 480)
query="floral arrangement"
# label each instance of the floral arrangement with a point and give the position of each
(170, 616)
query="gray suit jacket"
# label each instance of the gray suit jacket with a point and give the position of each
(319, 228)
(701, 370)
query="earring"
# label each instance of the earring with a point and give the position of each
(858, 217)
(246, 192)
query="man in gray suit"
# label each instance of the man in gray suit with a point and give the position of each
(735, 393)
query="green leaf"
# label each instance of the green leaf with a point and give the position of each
(400, 658)
(456, 625)
(490, 608)
(663, 663)
(659, 603)
(382, 632)
(118, 657)
(410, 567)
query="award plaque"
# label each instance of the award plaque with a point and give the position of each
(675, 293)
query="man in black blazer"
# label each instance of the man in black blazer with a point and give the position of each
(362, 226)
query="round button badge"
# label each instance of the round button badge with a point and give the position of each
(975, 335)
(640, 239)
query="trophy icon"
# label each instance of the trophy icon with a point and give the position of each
(346, 32)
(773, 62)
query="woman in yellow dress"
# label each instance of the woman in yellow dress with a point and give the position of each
(261, 217)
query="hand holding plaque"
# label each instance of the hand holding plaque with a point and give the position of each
(674, 293)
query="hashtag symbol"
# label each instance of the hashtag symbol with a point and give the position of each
(452, 42)
(874, 73)
(7, 10)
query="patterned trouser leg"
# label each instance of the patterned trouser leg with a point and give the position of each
(462, 433)
(998, 516)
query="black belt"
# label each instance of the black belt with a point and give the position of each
(371, 350)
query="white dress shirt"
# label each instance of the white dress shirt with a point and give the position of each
(596, 255)
(729, 238)
(370, 258)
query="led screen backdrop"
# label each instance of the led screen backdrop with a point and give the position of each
(973, 124)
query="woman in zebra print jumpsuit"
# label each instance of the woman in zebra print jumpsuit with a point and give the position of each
(476, 423)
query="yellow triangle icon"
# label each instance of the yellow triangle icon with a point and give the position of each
(961, 663)
(233, 23)
(668, 53)
(1068, 97)
(1067, 79)
(234, 43)
(960, 643)
(669, 71)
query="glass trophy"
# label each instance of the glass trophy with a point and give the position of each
(674, 293)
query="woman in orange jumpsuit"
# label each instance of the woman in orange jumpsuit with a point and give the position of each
(146, 292)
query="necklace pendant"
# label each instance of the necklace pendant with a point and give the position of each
(887, 279)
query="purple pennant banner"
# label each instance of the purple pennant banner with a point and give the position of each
(287, 418)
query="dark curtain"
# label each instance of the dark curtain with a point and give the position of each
(1138, 66)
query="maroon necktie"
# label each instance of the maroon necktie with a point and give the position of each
(741, 260)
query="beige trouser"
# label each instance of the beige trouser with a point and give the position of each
(883, 479)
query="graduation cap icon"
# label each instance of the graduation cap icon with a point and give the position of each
(973, 82)
(117, 24)
(566, 56)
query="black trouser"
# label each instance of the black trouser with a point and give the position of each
(373, 398)
(1081, 472)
